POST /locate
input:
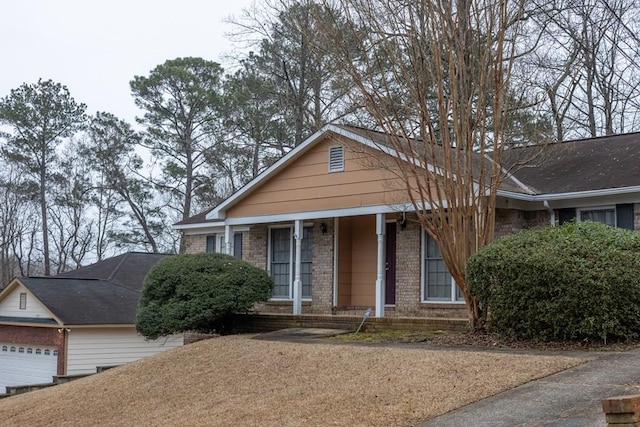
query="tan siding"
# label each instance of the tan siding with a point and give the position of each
(89, 348)
(306, 185)
(10, 305)
(364, 263)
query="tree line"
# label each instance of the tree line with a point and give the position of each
(470, 74)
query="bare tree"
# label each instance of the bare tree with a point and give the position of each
(435, 77)
(586, 65)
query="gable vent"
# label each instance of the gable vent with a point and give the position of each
(336, 159)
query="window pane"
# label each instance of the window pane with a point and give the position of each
(605, 216)
(211, 244)
(237, 245)
(439, 283)
(307, 258)
(281, 262)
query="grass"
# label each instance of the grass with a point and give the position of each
(236, 380)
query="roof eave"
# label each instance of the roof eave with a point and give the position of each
(570, 195)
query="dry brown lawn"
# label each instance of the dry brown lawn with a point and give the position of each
(237, 381)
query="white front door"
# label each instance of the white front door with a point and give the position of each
(26, 364)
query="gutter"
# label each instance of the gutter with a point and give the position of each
(551, 211)
(570, 195)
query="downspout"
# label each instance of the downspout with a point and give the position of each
(551, 212)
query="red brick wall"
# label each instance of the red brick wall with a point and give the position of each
(27, 335)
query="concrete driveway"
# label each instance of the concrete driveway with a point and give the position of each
(571, 398)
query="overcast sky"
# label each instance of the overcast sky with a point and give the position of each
(96, 47)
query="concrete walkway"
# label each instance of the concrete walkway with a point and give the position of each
(571, 398)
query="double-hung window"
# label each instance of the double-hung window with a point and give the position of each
(216, 243)
(605, 215)
(282, 261)
(437, 283)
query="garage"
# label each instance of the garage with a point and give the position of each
(26, 364)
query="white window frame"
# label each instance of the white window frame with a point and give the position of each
(579, 212)
(292, 243)
(423, 279)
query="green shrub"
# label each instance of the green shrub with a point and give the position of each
(578, 281)
(198, 293)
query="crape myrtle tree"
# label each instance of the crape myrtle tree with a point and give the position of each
(181, 100)
(434, 75)
(39, 116)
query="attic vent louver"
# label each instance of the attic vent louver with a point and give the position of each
(336, 159)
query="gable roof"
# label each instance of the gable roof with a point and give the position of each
(104, 293)
(579, 168)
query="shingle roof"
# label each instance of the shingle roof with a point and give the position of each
(106, 292)
(582, 165)
(85, 301)
(128, 269)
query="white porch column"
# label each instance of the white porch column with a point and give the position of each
(297, 283)
(227, 239)
(380, 229)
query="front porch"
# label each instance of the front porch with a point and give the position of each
(349, 264)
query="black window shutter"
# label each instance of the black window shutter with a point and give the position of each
(237, 245)
(566, 215)
(211, 244)
(624, 216)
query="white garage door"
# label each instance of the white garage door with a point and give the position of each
(26, 364)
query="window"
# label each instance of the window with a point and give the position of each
(38, 351)
(29, 350)
(5, 348)
(23, 301)
(216, 243)
(282, 261)
(438, 285)
(336, 159)
(604, 215)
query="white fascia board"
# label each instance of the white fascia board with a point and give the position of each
(383, 148)
(331, 213)
(198, 225)
(218, 212)
(570, 195)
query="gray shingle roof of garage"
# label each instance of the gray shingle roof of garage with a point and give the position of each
(106, 292)
(85, 301)
(128, 269)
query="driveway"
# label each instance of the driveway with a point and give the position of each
(571, 398)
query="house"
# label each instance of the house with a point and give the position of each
(74, 322)
(324, 216)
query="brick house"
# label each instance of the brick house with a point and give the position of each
(338, 236)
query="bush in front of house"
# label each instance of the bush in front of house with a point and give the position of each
(578, 281)
(198, 293)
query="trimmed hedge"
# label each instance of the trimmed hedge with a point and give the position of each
(198, 293)
(578, 281)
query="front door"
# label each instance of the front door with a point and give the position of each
(390, 277)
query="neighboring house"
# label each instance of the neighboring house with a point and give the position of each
(74, 322)
(335, 201)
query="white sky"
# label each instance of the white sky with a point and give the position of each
(96, 47)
